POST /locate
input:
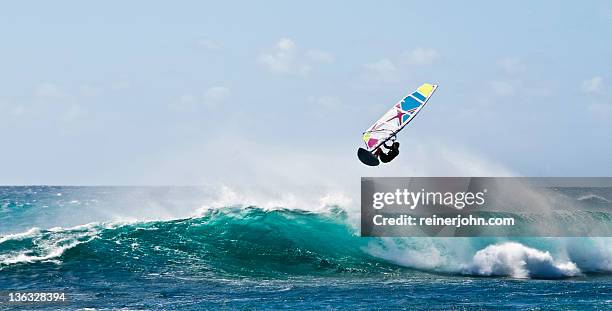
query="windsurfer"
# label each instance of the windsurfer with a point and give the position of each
(390, 155)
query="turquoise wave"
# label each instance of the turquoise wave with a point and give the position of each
(230, 241)
(254, 242)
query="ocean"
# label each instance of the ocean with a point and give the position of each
(144, 248)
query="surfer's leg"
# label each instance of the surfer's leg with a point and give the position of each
(384, 158)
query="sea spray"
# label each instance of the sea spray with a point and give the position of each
(518, 261)
(252, 241)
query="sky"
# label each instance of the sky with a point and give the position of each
(276, 94)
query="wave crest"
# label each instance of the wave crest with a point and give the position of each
(252, 241)
(519, 261)
(36, 245)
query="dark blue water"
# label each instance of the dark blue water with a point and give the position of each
(73, 239)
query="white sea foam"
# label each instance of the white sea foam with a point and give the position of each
(554, 258)
(420, 253)
(592, 254)
(454, 255)
(518, 261)
(230, 197)
(593, 197)
(20, 236)
(49, 252)
(46, 245)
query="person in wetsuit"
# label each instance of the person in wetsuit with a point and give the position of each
(390, 155)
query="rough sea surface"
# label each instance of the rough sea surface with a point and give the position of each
(121, 247)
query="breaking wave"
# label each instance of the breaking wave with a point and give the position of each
(252, 241)
(593, 198)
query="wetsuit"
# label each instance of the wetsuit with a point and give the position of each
(389, 156)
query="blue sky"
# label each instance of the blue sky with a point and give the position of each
(279, 93)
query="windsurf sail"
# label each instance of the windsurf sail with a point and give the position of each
(397, 117)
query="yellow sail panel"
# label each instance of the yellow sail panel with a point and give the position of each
(366, 136)
(426, 89)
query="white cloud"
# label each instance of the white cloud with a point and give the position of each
(503, 87)
(509, 87)
(121, 85)
(72, 113)
(216, 95)
(212, 97)
(90, 91)
(320, 56)
(286, 58)
(383, 69)
(386, 69)
(601, 111)
(210, 45)
(185, 101)
(512, 65)
(11, 110)
(283, 59)
(593, 85)
(17, 110)
(64, 104)
(47, 90)
(326, 102)
(421, 56)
